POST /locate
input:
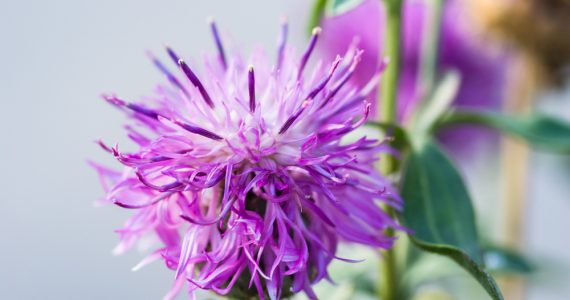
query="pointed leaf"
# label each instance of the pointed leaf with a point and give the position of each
(467, 263)
(439, 102)
(541, 131)
(437, 207)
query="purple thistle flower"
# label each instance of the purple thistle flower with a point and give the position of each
(245, 174)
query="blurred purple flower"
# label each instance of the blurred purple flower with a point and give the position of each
(462, 48)
(245, 173)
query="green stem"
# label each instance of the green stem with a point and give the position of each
(389, 280)
(388, 99)
(316, 16)
(389, 277)
(430, 48)
(389, 90)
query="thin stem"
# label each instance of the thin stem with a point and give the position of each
(430, 48)
(389, 277)
(389, 281)
(316, 16)
(388, 95)
(389, 90)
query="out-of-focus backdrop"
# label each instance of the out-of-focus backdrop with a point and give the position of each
(57, 56)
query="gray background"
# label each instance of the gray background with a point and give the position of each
(56, 57)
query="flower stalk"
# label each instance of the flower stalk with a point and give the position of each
(389, 280)
(388, 285)
(430, 48)
(389, 90)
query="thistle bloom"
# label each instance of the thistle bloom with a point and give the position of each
(245, 175)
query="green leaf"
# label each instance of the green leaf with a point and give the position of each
(439, 102)
(437, 207)
(338, 7)
(317, 13)
(467, 263)
(539, 130)
(504, 261)
(364, 284)
(330, 8)
(395, 132)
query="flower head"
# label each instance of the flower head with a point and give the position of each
(244, 174)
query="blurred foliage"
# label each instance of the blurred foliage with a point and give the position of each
(537, 28)
(322, 8)
(504, 261)
(541, 131)
(438, 210)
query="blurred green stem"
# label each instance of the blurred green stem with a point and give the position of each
(388, 285)
(390, 278)
(316, 16)
(389, 91)
(430, 48)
